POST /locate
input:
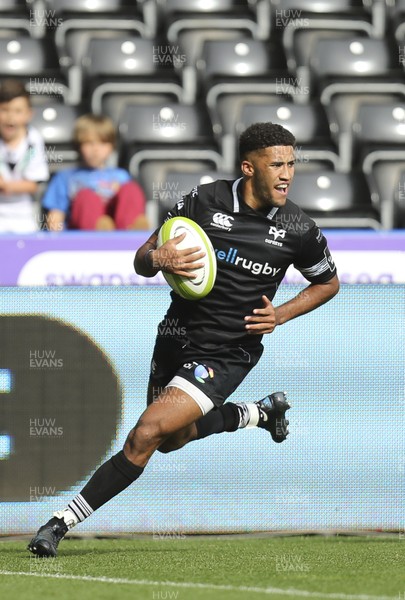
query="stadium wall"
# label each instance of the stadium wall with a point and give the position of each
(82, 258)
(74, 364)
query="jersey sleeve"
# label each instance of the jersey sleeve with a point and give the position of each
(186, 207)
(314, 261)
(56, 194)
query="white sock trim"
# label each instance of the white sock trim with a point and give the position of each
(254, 415)
(68, 516)
(80, 508)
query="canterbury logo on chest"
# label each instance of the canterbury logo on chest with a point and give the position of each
(222, 221)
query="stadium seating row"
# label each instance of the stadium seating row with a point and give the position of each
(159, 139)
(183, 77)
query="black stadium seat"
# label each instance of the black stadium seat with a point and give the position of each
(13, 6)
(348, 71)
(307, 122)
(93, 7)
(379, 140)
(399, 200)
(154, 174)
(158, 138)
(16, 17)
(178, 183)
(379, 132)
(34, 62)
(166, 131)
(187, 15)
(301, 22)
(55, 122)
(118, 69)
(335, 199)
(355, 64)
(387, 192)
(234, 71)
(80, 22)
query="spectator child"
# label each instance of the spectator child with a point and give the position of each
(23, 162)
(94, 196)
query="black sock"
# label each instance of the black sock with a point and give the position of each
(224, 418)
(110, 479)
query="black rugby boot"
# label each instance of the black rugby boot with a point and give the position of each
(272, 411)
(45, 542)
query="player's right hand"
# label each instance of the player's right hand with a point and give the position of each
(170, 259)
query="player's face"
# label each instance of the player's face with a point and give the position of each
(95, 152)
(270, 171)
(14, 118)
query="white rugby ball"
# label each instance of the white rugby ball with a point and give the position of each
(202, 284)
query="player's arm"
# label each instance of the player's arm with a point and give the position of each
(266, 319)
(149, 259)
(308, 299)
(316, 264)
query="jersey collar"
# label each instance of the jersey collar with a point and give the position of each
(236, 205)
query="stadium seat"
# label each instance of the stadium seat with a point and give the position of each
(90, 7)
(55, 121)
(379, 130)
(81, 21)
(177, 183)
(399, 201)
(180, 16)
(342, 110)
(336, 200)
(386, 182)
(109, 11)
(396, 11)
(161, 132)
(301, 22)
(13, 6)
(156, 139)
(308, 123)
(119, 68)
(378, 137)
(188, 24)
(348, 71)
(34, 62)
(172, 8)
(233, 71)
(355, 64)
(153, 175)
(16, 18)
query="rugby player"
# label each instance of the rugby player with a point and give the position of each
(257, 233)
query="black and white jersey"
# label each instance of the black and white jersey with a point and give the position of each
(253, 250)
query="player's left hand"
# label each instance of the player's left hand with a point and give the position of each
(263, 319)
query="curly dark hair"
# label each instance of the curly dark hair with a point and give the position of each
(262, 135)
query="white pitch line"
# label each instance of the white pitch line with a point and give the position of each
(205, 586)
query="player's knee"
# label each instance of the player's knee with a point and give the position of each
(145, 435)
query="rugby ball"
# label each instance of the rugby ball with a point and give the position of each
(202, 284)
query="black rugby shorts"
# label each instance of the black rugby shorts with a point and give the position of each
(209, 375)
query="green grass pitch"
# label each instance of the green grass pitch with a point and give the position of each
(208, 568)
